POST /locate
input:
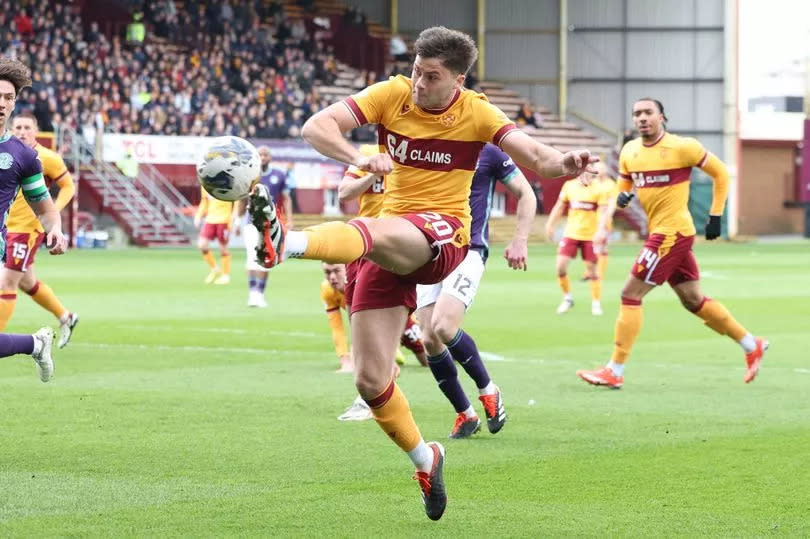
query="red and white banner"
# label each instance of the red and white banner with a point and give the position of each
(311, 170)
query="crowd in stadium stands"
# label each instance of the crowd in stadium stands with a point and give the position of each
(236, 68)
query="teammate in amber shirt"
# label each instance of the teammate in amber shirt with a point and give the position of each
(215, 216)
(583, 197)
(658, 164)
(432, 129)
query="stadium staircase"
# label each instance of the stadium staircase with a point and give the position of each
(148, 207)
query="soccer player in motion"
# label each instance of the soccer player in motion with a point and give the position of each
(583, 197)
(215, 216)
(25, 234)
(20, 169)
(275, 180)
(441, 307)
(433, 130)
(659, 165)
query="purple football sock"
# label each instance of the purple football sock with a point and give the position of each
(462, 348)
(445, 373)
(261, 282)
(253, 283)
(11, 345)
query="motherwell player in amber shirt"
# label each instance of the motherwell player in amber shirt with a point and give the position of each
(216, 217)
(432, 130)
(659, 165)
(583, 197)
(26, 234)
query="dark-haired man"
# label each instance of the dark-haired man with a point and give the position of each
(659, 164)
(433, 130)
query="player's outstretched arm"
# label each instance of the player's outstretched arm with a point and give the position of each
(351, 188)
(517, 252)
(324, 130)
(715, 168)
(553, 216)
(48, 215)
(545, 160)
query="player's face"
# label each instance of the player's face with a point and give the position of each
(433, 84)
(335, 275)
(25, 129)
(647, 119)
(264, 155)
(8, 96)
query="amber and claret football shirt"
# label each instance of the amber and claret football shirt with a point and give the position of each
(434, 151)
(661, 173)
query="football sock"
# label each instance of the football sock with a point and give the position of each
(253, 283)
(628, 326)
(8, 300)
(463, 349)
(422, 457)
(596, 288)
(209, 259)
(261, 282)
(445, 373)
(617, 368)
(335, 242)
(469, 412)
(717, 317)
(44, 296)
(226, 263)
(565, 284)
(16, 344)
(393, 415)
(489, 389)
(602, 265)
(748, 343)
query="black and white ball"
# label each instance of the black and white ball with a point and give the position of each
(229, 168)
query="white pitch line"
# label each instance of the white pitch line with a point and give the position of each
(235, 331)
(212, 349)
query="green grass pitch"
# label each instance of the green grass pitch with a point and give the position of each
(178, 411)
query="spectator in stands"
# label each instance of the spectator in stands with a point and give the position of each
(243, 75)
(399, 50)
(136, 31)
(128, 165)
(526, 116)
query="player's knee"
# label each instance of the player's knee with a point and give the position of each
(691, 302)
(433, 344)
(9, 281)
(371, 382)
(445, 328)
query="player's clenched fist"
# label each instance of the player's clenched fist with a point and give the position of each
(376, 164)
(578, 161)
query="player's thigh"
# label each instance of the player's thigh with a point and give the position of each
(462, 285)
(398, 245)
(635, 288)
(375, 337)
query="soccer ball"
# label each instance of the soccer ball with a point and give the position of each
(229, 168)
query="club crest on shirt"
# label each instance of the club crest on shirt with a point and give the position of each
(406, 108)
(448, 119)
(6, 160)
